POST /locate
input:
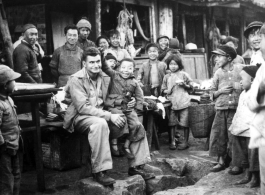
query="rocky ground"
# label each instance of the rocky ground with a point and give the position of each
(177, 172)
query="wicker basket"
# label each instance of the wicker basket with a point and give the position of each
(200, 119)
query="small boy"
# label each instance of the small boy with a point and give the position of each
(122, 88)
(233, 42)
(9, 134)
(242, 157)
(226, 90)
(115, 49)
(151, 73)
(111, 61)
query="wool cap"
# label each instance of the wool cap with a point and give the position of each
(162, 36)
(226, 50)
(251, 26)
(110, 56)
(83, 23)
(251, 70)
(151, 45)
(27, 26)
(7, 74)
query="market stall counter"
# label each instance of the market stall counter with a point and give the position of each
(35, 94)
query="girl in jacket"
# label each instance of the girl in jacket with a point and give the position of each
(175, 86)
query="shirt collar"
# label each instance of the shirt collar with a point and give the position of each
(3, 97)
(230, 68)
(67, 46)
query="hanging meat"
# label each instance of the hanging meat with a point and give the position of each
(213, 35)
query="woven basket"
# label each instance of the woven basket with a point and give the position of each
(200, 119)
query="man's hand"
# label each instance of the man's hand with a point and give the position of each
(226, 90)
(132, 103)
(117, 120)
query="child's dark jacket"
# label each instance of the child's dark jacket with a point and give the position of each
(119, 86)
(9, 125)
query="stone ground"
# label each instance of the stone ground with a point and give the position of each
(176, 173)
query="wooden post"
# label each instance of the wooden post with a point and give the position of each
(152, 20)
(184, 29)
(204, 20)
(165, 19)
(6, 36)
(98, 17)
(242, 27)
(227, 30)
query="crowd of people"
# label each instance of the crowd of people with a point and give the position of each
(106, 101)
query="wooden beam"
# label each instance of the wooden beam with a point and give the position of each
(227, 30)
(165, 19)
(98, 17)
(6, 36)
(242, 28)
(184, 29)
(204, 21)
(152, 20)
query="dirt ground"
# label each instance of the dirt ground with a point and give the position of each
(63, 182)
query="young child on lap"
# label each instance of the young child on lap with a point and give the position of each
(175, 86)
(122, 88)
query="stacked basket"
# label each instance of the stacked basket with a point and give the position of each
(200, 119)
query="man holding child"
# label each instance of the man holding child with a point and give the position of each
(88, 89)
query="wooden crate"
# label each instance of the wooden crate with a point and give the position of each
(63, 151)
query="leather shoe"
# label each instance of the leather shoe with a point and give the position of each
(103, 179)
(134, 171)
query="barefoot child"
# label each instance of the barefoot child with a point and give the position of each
(122, 88)
(9, 134)
(242, 157)
(175, 86)
(151, 73)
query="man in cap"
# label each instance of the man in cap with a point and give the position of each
(25, 58)
(84, 29)
(9, 134)
(256, 103)
(252, 35)
(66, 60)
(226, 90)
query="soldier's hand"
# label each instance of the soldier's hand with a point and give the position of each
(118, 120)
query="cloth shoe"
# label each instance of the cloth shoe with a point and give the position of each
(238, 171)
(137, 171)
(103, 179)
(129, 155)
(114, 152)
(217, 169)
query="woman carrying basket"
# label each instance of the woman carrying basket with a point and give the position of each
(175, 86)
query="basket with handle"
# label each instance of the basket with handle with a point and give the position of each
(200, 119)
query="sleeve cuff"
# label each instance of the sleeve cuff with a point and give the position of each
(107, 115)
(2, 141)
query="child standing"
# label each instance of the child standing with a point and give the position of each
(175, 86)
(122, 88)
(151, 73)
(242, 157)
(9, 134)
(226, 90)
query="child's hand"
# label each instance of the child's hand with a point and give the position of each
(141, 84)
(226, 90)
(166, 91)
